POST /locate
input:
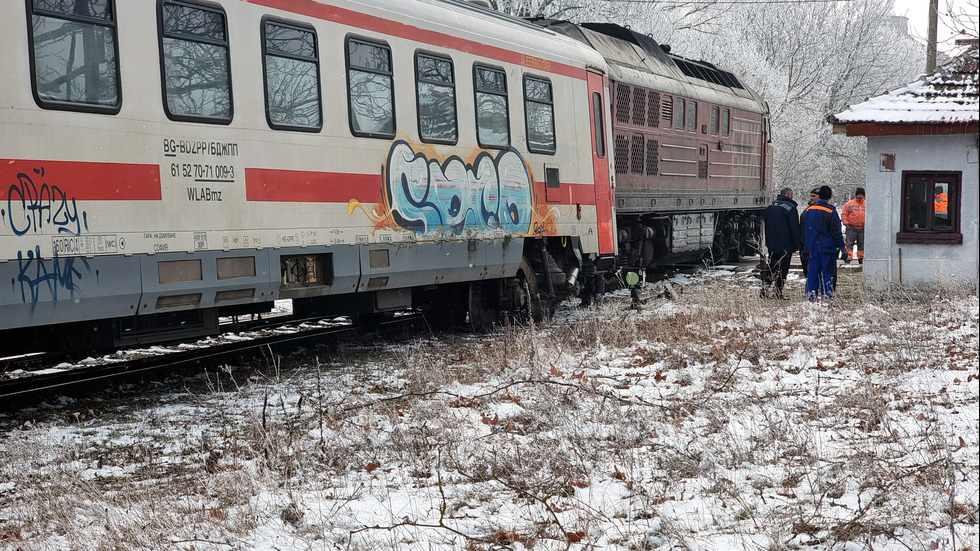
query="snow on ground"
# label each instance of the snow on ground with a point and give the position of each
(710, 420)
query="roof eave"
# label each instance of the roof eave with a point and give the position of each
(906, 128)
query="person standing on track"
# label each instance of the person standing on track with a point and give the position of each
(822, 239)
(853, 217)
(782, 237)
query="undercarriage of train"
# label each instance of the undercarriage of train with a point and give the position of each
(648, 242)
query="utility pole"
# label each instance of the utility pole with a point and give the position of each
(933, 36)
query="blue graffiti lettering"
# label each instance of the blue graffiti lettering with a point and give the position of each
(59, 274)
(428, 196)
(32, 207)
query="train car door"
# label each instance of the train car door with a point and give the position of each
(600, 165)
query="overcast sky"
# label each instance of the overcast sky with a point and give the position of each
(918, 13)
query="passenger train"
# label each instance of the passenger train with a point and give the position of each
(167, 162)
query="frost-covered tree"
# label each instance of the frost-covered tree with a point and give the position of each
(807, 59)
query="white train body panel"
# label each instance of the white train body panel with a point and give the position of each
(80, 188)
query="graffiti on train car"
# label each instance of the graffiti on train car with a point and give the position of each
(429, 195)
(31, 207)
(54, 276)
(34, 206)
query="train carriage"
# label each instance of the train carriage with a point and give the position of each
(164, 162)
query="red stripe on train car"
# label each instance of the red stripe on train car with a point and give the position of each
(568, 194)
(391, 27)
(292, 186)
(25, 179)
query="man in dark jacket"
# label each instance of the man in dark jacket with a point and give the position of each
(823, 240)
(782, 236)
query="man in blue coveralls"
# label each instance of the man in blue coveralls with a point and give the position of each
(822, 239)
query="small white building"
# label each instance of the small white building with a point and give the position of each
(923, 180)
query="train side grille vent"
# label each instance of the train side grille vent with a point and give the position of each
(240, 266)
(623, 103)
(622, 154)
(179, 271)
(703, 169)
(636, 154)
(653, 157)
(667, 110)
(639, 106)
(234, 294)
(652, 109)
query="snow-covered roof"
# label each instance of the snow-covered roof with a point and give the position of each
(948, 96)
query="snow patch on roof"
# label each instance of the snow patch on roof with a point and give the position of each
(948, 96)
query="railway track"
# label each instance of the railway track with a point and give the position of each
(38, 378)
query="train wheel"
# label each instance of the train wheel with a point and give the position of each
(484, 305)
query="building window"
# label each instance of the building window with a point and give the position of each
(931, 208)
(370, 88)
(692, 116)
(196, 71)
(436, 94)
(492, 115)
(73, 55)
(292, 76)
(539, 108)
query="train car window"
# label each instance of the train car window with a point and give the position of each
(292, 76)
(371, 89)
(714, 120)
(692, 115)
(196, 68)
(539, 112)
(492, 115)
(436, 94)
(724, 122)
(679, 114)
(600, 126)
(74, 55)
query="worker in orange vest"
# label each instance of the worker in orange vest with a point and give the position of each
(942, 202)
(853, 217)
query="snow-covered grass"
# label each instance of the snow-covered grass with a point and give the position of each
(710, 420)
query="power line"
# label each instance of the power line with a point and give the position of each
(711, 2)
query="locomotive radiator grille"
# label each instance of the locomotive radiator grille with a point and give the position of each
(623, 103)
(622, 154)
(652, 109)
(639, 106)
(653, 157)
(636, 154)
